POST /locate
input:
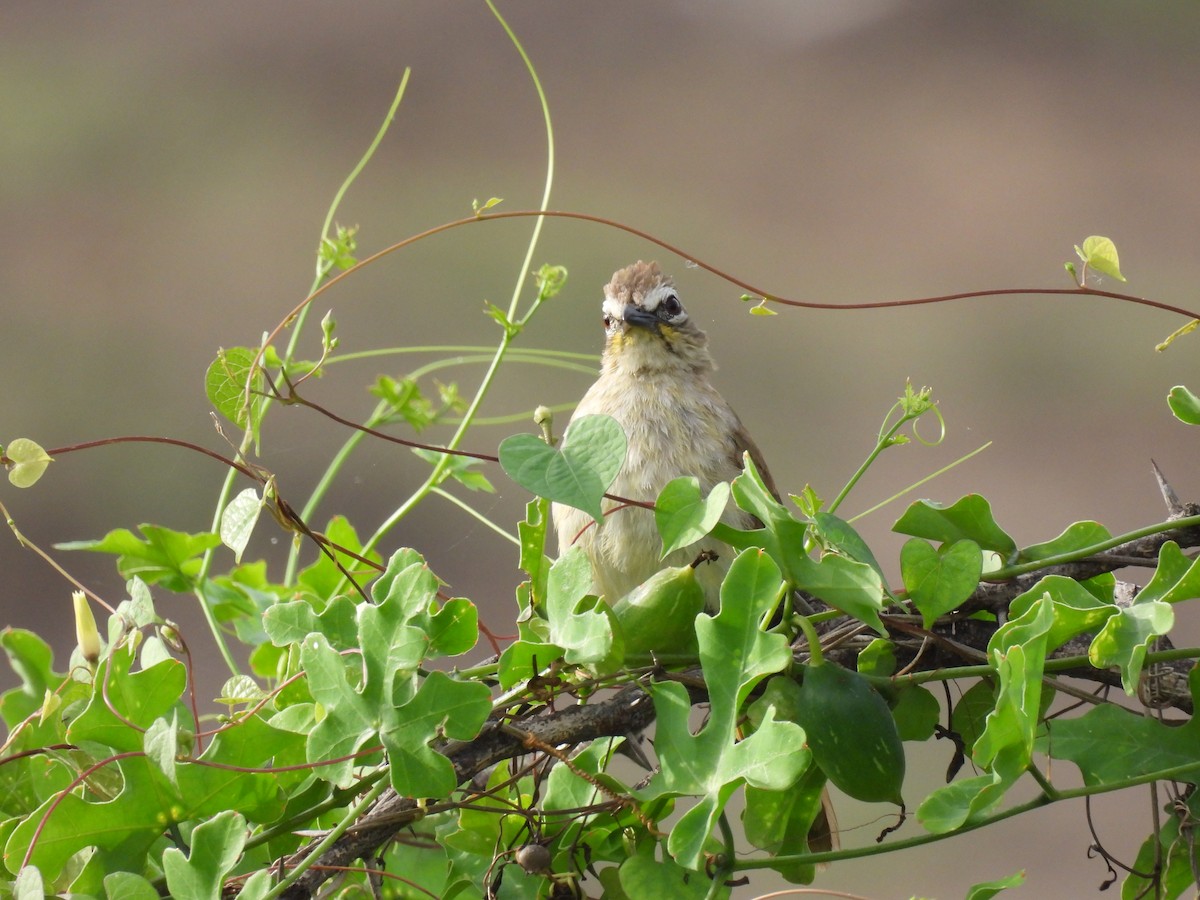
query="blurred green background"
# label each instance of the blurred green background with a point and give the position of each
(164, 171)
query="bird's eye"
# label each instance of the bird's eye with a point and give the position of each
(607, 322)
(670, 306)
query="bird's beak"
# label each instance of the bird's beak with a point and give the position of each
(635, 315)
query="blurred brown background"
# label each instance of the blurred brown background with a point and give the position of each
(164, 171)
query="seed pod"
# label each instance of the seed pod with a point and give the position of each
(534, 859)
(851, 733)
(659, 615)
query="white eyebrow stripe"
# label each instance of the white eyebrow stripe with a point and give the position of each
(614, 308)
(655, 296)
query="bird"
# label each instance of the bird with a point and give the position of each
(655, 381)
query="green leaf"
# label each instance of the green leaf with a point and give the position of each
(129, 702)
(166, 557)
(853, 587)
(162, 745)
(969, 518)
(578, 473)
(453, 629)
(1127, 636)
(28, 885)
(939, 581)
(711, 764)
(1111, 744)
(238, 520)
(683, 516)
(970, 713)
(1165, 857)
(405, 402)
(442, 707)
(511, 328)
(946, 808)
(480, 208)
(1185, 405)
(522, 660)
(216, 846)
(225, 387)
(877, 658)
(459, 468)
(323, 578)
(986, 890)
(349, 721)
(780, 821)
(1075, 609)
(644, 876)
(31, 659)
(1077, 536)
(29, 461)
(121, 829)
(1017, 651)
(1100, 253)
(128, 886)
(292, 622)
(751, 494)
(1175, 578)
(584, 632)
(338, 251)
(916, 712)
(550, 280)
(839, 535)
(534, 561)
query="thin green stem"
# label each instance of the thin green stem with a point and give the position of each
(545, 204)
(881, 444)
(435, 476)
(813, 639)
(362, 163)
(343, 825)
(1183, 772)
(248, 437)
(1059, 664)
(716, 886)
(590, 358)
(475, 514)
(928, 478)
(1008, 572)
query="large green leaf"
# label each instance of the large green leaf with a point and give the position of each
(441, 707)
(969, 518)
(1017, 652)
(166, 557)
(584, 632)
(1111, 744)
(216, 846)
(683, 516)
(577, 473)
(712, 764)
(939, 581)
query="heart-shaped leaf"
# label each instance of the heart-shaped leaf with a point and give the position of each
(683, 516)
(937, 581)
(29, 461)
(1184, 405)
(577, 473)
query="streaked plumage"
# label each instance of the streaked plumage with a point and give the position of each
(654, 380)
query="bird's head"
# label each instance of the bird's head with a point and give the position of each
(646, 327)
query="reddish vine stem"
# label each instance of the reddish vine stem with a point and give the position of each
(156, 439)
(708, 267)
